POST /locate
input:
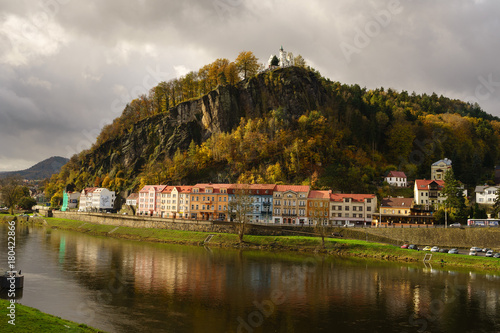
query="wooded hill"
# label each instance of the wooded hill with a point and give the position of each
(288, 125)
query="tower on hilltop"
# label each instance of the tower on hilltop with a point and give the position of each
(285, 59)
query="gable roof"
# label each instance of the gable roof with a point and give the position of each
(480, 189)
(156, 188)
(294, 188)
(397, 202)
(423, 184)
(396, 174)
(319, 195)
(355, 197)
(133, 196)
(446, 161)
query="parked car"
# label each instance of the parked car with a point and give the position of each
(475, 249)
(496, 255)
(349, 225)
(472, 253)
(443, 250)
(427, 248)
(404, 246)
(453, 251)
(412, 247)
(485, 250)
(435, 249)
(455, 225)
(490, 253)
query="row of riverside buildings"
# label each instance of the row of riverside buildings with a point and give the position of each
(280, 204)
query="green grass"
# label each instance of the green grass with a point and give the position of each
(333, 246)
(32, 320)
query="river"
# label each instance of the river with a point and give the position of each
(127, 286)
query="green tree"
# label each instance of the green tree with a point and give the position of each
(27, 203)
(275, 61)
(247, 64)
(455, 199)
(12, 192)
(496, 206)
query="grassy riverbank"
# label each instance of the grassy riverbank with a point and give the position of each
(333, 246)
(30, 320)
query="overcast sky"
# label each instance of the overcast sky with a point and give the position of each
(68, 67)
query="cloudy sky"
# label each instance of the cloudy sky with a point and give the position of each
(68, 67)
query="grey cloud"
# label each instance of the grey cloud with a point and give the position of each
(60, 98)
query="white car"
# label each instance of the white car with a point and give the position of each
(472, 252)
(490, 253)
(435, 249)
(455, 225)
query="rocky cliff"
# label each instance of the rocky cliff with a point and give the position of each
(293, 89)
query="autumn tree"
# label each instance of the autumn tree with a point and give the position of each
(247, 64)
(12, 192)
(299, 61)
(240, 209)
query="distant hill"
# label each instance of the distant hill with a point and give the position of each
(41, 170)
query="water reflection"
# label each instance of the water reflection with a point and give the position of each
(123, 286)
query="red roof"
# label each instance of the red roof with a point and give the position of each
(157, 188)
(396, 174)
(319, 195)
(184, 189)
(423, 184)
(355, 197)
(397, 202)
(133, 196)
(295, 188)
(90, 189)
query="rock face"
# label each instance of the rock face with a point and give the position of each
(294, 89)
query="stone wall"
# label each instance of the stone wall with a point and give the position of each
(184, 225)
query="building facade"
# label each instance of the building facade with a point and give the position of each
(396, 178)
(96, 199)
(347, 209)
(318, 207)
(439, 169)
(486, 195)
(428, 193)
(290, 204)
(150, 200)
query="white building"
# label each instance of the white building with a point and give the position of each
(96, 199)
(428, 192)
(285, 58)
(132, 199)
(486, 195)
(396, 178)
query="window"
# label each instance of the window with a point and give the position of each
(354, 208)
(346, 208)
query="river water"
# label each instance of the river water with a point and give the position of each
(126, 286)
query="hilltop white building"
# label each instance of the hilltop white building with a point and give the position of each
(285, 58)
